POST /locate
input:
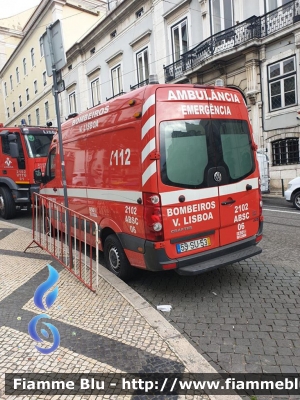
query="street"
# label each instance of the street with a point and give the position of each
(243, 317)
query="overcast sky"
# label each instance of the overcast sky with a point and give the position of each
(9, 8)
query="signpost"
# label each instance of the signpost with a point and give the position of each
(55, 58)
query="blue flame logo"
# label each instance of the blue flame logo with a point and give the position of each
(49, 300)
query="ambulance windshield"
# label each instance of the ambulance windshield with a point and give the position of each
(38, 145)
(190, 148)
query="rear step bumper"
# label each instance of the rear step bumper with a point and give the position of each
(221, 261)
(157, 259)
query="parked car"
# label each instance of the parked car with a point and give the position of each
(292, 194)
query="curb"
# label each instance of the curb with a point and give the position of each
(183, 349)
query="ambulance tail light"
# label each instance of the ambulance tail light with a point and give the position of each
(153, 217)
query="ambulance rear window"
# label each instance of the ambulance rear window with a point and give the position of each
(190, 148)
(184, 155)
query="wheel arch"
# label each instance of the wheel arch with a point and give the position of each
(4, 181)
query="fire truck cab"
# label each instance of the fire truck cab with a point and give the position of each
(22, 150)
(169, 172)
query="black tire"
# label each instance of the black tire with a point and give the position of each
(116, 260)
(296, 200)
(7, 205)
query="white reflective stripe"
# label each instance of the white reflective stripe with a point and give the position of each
(149, 172)
(48, 191)
(148, 125)
(148, 148)
(238, 187)
(169, 198)
(148, 103)
(123, 196)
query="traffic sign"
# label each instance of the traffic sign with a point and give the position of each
(52, 42)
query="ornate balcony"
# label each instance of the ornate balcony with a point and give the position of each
(140, 84)
(240, 34)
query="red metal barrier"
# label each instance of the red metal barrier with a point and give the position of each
(77, 251)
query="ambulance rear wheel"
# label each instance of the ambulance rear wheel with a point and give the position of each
(115, 258)
(7, 204)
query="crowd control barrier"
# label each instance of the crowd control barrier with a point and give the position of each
(65, 235)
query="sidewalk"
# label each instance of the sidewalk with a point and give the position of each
(112, 330)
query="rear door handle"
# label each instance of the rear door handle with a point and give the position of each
(225, 203)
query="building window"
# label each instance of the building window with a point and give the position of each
(139, 13)
(24, 66)
(7, 112)
(179, 39)
(29, 119)
(32, 57)
(35, 87)
(282, 84)
(27, 94)
(17, 75)
(37, 116)
(95, 90)
(11, 82)
(72, 103)
(14, 106)
(286, 151)
(42, 49)
(142, 62)
(47, 114)
(222, 15)
(44, 78)
(5, 88)
(20, 101)
(272, 4)
(116, 79)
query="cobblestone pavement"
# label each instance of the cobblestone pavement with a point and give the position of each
(112, 330)
(243, 317)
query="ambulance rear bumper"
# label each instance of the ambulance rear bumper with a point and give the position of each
(157, 260)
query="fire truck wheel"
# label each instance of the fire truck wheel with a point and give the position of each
(115, 258)
(7, 204)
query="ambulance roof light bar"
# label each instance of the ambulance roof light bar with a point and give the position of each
(219, 82)
(153, 79)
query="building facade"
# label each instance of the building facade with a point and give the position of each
(253, 46)
(25, 87)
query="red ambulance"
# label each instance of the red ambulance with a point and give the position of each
(169, 172)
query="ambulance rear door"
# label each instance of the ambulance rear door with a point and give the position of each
(235, 171)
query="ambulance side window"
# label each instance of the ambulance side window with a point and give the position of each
(50, 167)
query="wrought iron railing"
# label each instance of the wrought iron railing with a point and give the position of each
(116, 95)
(140, 84)
(252, 28)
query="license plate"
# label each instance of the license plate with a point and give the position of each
(192, 245)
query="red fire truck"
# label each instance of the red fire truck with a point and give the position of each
(169, 172)
(22, 150)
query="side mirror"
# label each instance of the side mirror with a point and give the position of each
(38, 176)
(14, 149)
